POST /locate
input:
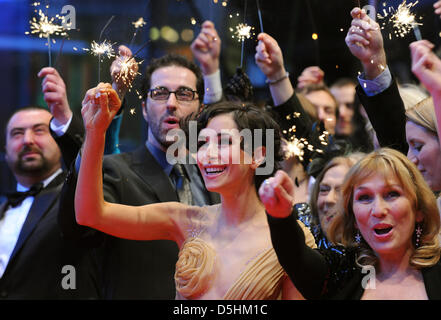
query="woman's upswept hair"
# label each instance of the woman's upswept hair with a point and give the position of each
(246, 115)
(423, 114)
(387, 162)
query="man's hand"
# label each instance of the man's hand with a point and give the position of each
(100, 105)
(123, 71)
(269, 57)
(206, 48)
(277, 195)
(426, 65)
(311, 75)
(365, 42)
(54, 91)
(437, 7)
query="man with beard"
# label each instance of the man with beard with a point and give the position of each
(173, 88)
(35, 261)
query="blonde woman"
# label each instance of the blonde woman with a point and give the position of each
(427, 67)
(389, 235)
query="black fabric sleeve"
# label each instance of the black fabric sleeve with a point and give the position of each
(70, 142)
(306, 267)
(70, 229)
(387, 115)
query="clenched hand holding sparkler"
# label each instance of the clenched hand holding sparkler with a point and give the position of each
(124, 70)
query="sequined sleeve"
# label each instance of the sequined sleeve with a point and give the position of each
(341, 268)
(304, 214)
(316, 273)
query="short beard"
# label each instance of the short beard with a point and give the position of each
(22, 168)
(159, 134)
(30, 168)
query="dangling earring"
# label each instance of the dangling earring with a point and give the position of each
(358, 237)
(418, 233)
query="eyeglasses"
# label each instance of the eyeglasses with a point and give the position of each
(182, 94)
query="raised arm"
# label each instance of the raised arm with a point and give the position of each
(148, 222)
(437, 7)
(269, 59)
(365, 42)
(311, 75)
(378, 92)
(288, 107)
(427, 68)
(55, 96)
(206, 50)
(306, 267)
(123, 71)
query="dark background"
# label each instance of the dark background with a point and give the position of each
(292, 23)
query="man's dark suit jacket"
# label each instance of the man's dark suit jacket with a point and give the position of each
(129, 269)
(35, 269)
(387, 115)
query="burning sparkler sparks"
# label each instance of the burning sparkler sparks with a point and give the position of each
(127, 72)
(402, 19)
(104, 48)
(45, 27)
(242, 31)
(295, 147)
(139, 23)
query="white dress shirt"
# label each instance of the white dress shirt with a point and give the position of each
(12, 222)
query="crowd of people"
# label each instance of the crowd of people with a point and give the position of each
(331, 181)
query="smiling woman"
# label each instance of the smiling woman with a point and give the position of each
(243, 127)
(388, 223)
(386, 189)
(424, 146)
(225, 250)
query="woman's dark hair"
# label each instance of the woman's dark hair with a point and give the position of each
(246, 115)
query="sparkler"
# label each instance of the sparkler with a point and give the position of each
(45, 27)
(105, 49)
(242, 31)
(295, 147)
(102, 48)
(137, 51)
(259, 13)
(127, 73)
(137, 25)
(403, 20)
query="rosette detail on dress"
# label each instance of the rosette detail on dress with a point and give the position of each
(195, 268)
